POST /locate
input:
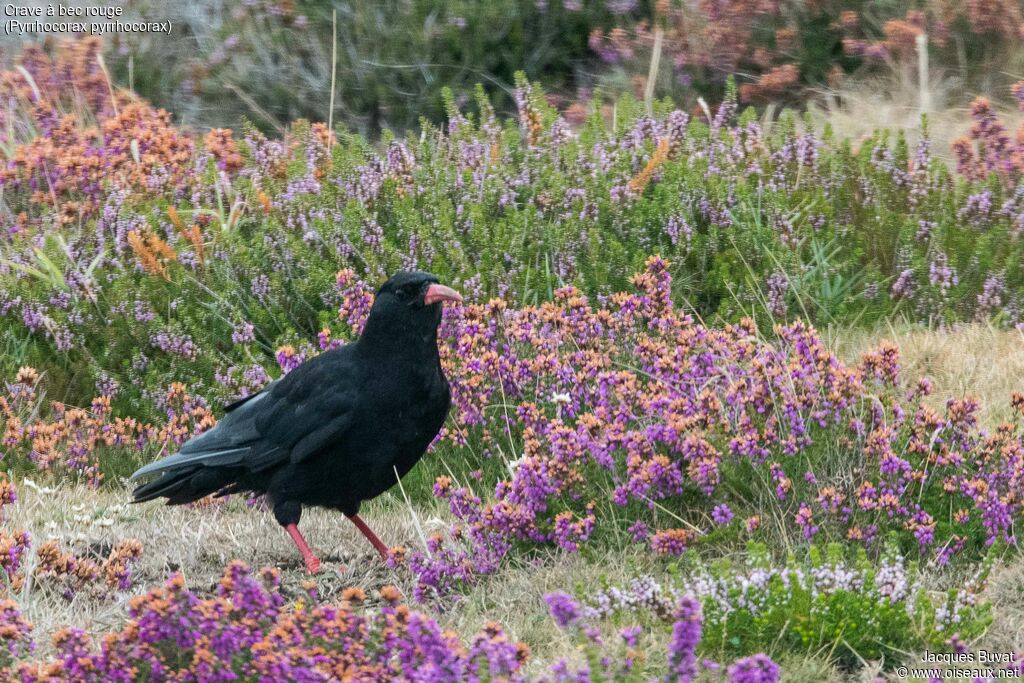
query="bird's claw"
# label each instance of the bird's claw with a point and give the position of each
(312, 565)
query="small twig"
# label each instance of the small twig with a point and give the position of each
(334, 68)
(110, 84)
(652, 72)
(412, 511)
(922, 73)
(242, 95)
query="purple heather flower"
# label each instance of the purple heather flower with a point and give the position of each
(778, 284)
(721, 514)
(563, 608)
(903, 287)
(758, 668)
(631, 635)
(243, 333)
(686, 635)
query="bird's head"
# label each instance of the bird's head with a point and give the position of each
(415, 289)
(409, 302)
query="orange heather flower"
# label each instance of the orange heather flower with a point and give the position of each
(265, 203)
(172, 213)
(196, 238)
(27, 376)
(149, 249)
(353, 594)
(640, 180)
(1017, 402)
(390, 595)
(221, 144)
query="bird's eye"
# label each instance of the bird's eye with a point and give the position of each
(402, 293)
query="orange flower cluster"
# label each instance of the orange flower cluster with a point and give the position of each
(771, 84)
(72, 438)
(660, 156)
(193, 234)
(77, 572)
(59, 74)
(72, 163)
(220, 143)
(153, 253)
(994, 20)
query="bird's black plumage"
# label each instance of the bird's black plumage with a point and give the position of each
(333, 431)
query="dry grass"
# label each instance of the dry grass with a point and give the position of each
(976, 360)
(862, 106)
(1006, 593)
(199, 542)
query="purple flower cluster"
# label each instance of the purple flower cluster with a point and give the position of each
(683, 664)
(710, 399)
(246, 630)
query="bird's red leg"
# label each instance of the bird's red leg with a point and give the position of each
(312, 561)
(377, 543)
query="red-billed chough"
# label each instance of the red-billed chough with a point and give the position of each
(333, 431)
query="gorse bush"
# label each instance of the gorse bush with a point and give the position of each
(135, 252)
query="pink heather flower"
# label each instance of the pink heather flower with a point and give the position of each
(778, 283)
(903, 287)
(805, 521)
(631, 635)
(17, 631)
(288, 359)
(639, 531)
(671, 541)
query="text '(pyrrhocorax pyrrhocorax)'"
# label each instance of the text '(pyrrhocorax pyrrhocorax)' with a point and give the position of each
(334, 431)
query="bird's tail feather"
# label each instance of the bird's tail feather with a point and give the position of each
(184, 485)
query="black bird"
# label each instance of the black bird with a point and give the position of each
(334, 431)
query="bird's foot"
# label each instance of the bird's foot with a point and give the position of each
(312, 564)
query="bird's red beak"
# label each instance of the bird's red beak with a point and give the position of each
(437, 293)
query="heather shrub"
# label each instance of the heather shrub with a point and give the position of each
(46, 564)
(853, 610)
(88, 444)
(784, 50)
(245, 628)
(577, 426)
(149, 248)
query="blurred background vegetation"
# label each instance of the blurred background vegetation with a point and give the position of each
(270, 61)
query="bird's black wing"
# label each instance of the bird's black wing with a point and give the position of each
(290, 420)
